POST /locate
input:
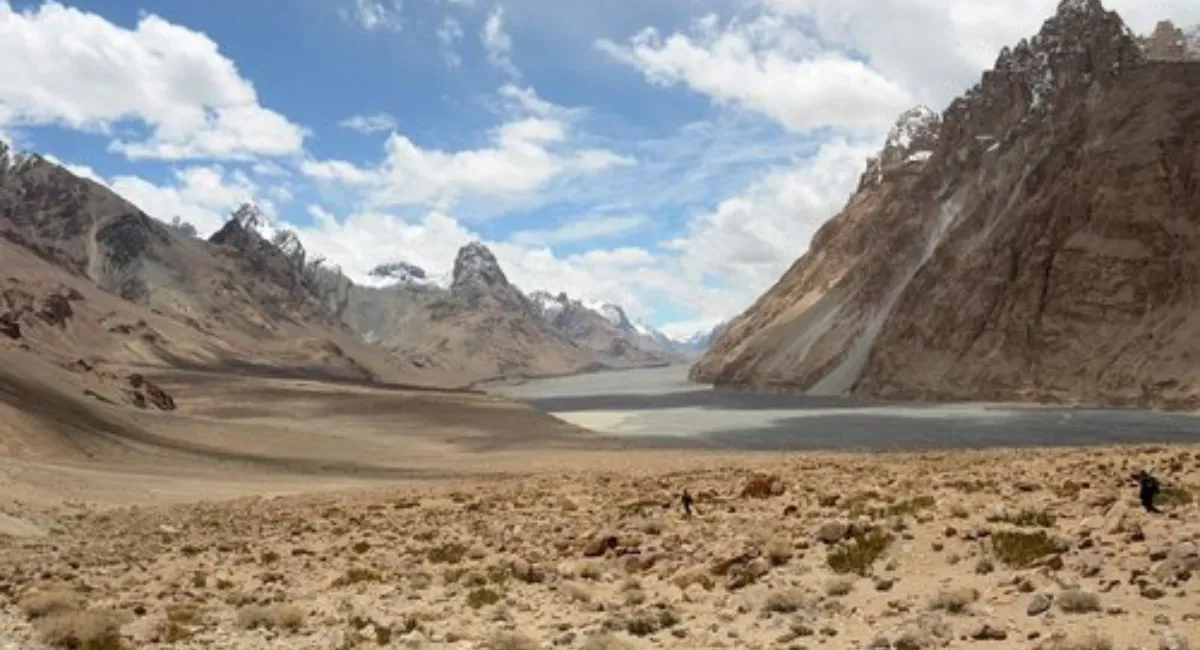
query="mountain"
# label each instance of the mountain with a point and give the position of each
(479, 327)
(1036, 241)
(93, 290)
(606, 330)
(1170, 43)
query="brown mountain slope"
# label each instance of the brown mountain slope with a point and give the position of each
(1042, 245)
(128, 291)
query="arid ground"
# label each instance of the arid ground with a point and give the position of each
(290, 513)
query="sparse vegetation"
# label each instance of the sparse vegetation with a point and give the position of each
(51, 602)
(1077, 601)
(1174, 496)
(785, 602)
(1019, 549)
(273, 617)
(447, 554)
(954, 601)
(478, 598)
(82, 630)
(859, 553)
(1029, 518)
(356, 575)
(511, 641)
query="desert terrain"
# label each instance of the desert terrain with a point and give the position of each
(293, 513)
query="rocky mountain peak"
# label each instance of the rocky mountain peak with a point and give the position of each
(11, 160)
(403, 272)
(476, 265)
(1082, 44)
(1170, 43)
(911, 141)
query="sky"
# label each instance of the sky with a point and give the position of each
(674, 157)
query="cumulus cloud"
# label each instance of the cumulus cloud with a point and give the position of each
(75, 69)
(957, 38)
(368, 124)
(768, 65)
(524, 155)
(743, 246)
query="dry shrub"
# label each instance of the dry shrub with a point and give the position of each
(839, 586)
(1075, 601)
(954, 601)
(82, 630)
(859, 554)
(1019, 549)
(763, 486)
(785, 602)
(605, 641)
(47, 603)
(779, 552)
(272, 617)
(510, 641)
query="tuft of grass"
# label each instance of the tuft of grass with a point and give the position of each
(785, 602)
(647, 622)
(510, 641)
(447, 554)
(356, 575)
(483, 597)
(1019, 549)
(779, 552)
(1173, 495)
(1068, 489)
(271, 617)
(1031, 519)
(839, 586)
(1076, 601)
(1092, 641)
(82, 630)
(48, 603)
(606, 641)
(954, 601)
(858, 554)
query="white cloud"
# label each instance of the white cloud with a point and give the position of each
(367, 124)
(374, 15)
(589, 228)
(450, 32)
(498, 43)
(743, 246)
(78, 70)
(770, 66)
(525, 153)
(950, 41)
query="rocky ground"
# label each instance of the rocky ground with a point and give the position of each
(1004, 549)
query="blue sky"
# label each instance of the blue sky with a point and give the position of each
(673, 156)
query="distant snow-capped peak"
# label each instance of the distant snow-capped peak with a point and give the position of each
(407, 274)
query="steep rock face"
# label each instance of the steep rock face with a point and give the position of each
(1045, 250)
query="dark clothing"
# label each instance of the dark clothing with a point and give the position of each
(1147, 490)
(687, 503)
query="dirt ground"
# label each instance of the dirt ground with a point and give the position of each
(298, 514)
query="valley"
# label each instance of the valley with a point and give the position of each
(936, 429)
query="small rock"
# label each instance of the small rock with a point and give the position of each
(988, 632)
(1039, 605)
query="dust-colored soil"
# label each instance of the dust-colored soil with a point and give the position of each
(534, 535)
